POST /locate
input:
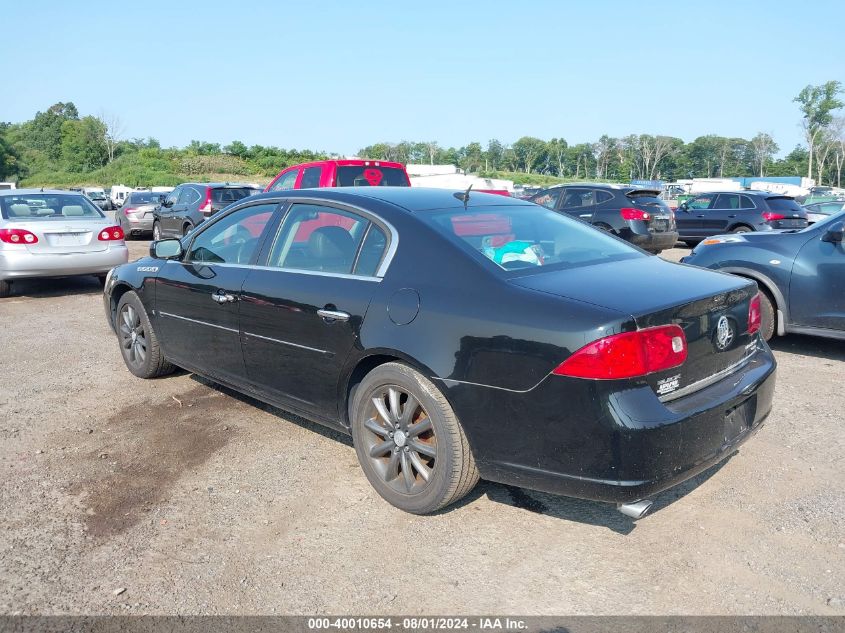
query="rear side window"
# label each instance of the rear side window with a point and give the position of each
(727, 201)
(310, 177)
(746, 203)
(576, 198)
(368, 176)
(372, 251)
(228, 195)
(602, 196)
(784, 204)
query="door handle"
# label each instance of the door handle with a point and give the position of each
(700, 216)
(222, 297)
(333, 315)
(732, 216)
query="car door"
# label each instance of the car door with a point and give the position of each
(689, 218)
(165, 212)
(302, 310)
(817, 284)
(579, 202)
(182, 209)
(721, 214)
(197, 297)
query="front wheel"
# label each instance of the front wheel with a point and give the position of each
(767, 316)
(741, 229)
(409, 442)
(138, 341)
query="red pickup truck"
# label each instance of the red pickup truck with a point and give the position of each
(341, 173)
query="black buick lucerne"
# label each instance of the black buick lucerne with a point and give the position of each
(458, 336)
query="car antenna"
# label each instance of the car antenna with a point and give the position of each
(464, 197)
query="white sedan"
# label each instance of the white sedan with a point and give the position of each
(55, 234)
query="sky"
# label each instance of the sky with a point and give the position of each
(336, 76)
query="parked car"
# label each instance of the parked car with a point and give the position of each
(636, 215)
(136, 215)
(720, 212)
(47, 233)
(801, 275)
(192, 203)
(341, 173)
(98, 197)
(820, 210)
(458, 336)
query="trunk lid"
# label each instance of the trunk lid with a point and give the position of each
(662, 219)
(64, 236)
(710, 307)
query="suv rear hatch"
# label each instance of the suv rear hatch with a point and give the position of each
(217, 198)
(655, 293)
(784, 213)
(661, 218)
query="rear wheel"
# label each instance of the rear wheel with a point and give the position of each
(5, 288)
(138, 341)
(742, 229)
(156, 231)
(409, 442)
(186, 228)
(768, 318)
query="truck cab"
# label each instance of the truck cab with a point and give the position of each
(341, 173)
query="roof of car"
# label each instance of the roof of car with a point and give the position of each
(749, 192)
(350, 162)
(409, 198)
(29, 192)
(250, 185)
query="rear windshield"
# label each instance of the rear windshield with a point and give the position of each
(648, 198)
(232, 194)
(784, 204)
(44, 206)
(528, 237)
(97, 195)
(365, 176)
(144, 198)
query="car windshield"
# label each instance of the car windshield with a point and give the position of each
(232, 194)
(831, 219)
(367, 176)
(144, 198)
(97, 195)
(520, 237)
(48, 206)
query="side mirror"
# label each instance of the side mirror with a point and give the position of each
(166, 249)
(683, 207)
(166, 202)
(834, 233)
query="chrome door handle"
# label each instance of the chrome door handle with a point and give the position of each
(222, 297)
(333, 315)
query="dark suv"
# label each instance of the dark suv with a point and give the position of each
(191, 203)
(719, 212)
(632, 213)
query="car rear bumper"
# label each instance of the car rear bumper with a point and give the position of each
(593, 440)
(22, 264)
(652, 241)
(138, 225)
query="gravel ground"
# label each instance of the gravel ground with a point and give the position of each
(123, 496)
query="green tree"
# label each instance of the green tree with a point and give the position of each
(763, 147)
(528, 150)
(44, 132)
(817, 104)
(236, 148)
(83, 146)
(10, 165)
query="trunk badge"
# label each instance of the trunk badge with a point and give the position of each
(724, 334)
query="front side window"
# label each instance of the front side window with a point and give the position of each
(234, 238)
(528, 237)
(701, 202)
(173, 196)
(189, 196)
(320, 239)
(44, 206)
(287, 181)
(548, 198)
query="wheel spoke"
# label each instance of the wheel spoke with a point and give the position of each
(382, 410)
(411, 405)
(140, 352)
(126, 342)
(373, 425)
(126, 319)
(392, 470)
(419, 466)
(406, 471)
(393, 396)
(133, 316)
(423, 448)
(380, 450)
(420, 427)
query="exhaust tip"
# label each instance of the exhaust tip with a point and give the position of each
(635, 509)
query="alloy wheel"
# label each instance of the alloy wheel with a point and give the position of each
(156, 231)
(133, 339)
(400, 440)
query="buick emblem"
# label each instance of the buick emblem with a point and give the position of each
(724, 334)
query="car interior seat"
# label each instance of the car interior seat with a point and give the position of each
(20, 210)
(332, 249)
(72, 210)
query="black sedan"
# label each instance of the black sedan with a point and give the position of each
(458, 336)
(801, 275)
(635, 214)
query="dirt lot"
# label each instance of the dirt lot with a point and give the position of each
(191, 499)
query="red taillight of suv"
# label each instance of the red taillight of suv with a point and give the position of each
(628, 355)
(634, 214)
(769, 216)
(18, 236)
(111, 234)
(754, 315)
(206, 209)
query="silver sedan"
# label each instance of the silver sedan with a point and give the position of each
(135, 217)
(55, 234)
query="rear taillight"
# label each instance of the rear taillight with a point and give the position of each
(111, 234)
(129, 210)
(634, 214)
(768, 216)
(754, 317)
(205, 209)
(628, 355)
(18, 236)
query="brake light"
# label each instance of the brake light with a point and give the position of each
(129, 210)
(18, 236)
(634, 214)
(111, 234)
(754, 317)
(205, 209)
(628, 355)
(768, 216)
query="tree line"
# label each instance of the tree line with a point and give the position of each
(58, 146)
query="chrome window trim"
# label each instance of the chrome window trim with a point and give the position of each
(281, 342)
(317, 273)
(182, 318)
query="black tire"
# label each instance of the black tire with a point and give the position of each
(768, 318)
(137, 339)
(5, 288)
(417, 481)
(692, 243)
(102, 279)
(742, 229)
(156, 230)
(604, 227)
(187, 228)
